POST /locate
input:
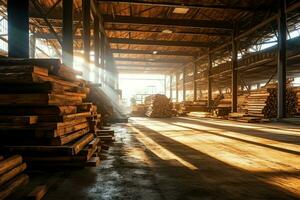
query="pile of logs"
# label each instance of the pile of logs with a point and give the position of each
(263, 102)
(11, 175)
(43, 114)
(158, 106)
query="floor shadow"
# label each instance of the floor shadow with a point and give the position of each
(214, 179)
(243, 140)
(292, 139)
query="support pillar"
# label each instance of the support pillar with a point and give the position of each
(96, 48)
(281, 65)
(86, 9)
(195, 81)
(177, 80)
(171, 87)
(67, 33)
(18, 28)
(234, 83)
(183, 84)
(209, 82)
(103, 57)
(32, 46)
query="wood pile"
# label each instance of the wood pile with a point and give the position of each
(43, 114)
(222, 105)
(263, 102)
(297, 91)
(159, 106)
(11, 175)
(201, 105)
(138, 110)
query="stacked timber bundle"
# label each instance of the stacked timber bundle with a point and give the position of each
(197, 106)
(138, 110)
(158, 106)
(223, 106)
(263, 102)
(297, 91)
(11, 175)
(43, 116)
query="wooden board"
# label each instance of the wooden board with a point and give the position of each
(12, 173)
(38, 193)
(18, 119)
(9, 163)
(37, 110)
(13, 185)
(70, 137)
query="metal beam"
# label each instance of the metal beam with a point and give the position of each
(118, 19)
(209, 82)
(161, 60)
(146, 66)
(67, 41)
(174, 32)
(18, 28)
(234, 83)
(189, 5)
(282, 62)
(159, 42)
(165, 53)
(86, 18)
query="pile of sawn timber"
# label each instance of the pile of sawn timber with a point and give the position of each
(263, 102)
(43, 114)
(158, 106)
(11, 175)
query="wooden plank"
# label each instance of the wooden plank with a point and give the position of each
(63, 118)
(70, 137)
(45, 150)
(9, 163)
(18, 119)
(38, 110)
(38, 99)
(12, 173)
(38, 193)
(93, 162)
(79, 145)
(13, 185)
(66, 130)
(24, 68)
(46, 87)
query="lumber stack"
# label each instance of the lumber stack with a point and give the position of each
(263, 102)
(11, 175)
(201, 105)
(297, 92)
(43, 114)
(159, 106)
(223, 105)
(138, 110)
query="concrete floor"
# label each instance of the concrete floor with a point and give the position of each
(191, 158)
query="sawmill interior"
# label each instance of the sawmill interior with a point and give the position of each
(149, 99)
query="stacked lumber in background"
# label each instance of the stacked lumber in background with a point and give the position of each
(201, 105)
(297, 91)
(11, 175)
(159, 106)
(263, 102)
(222, 105)
(43, 114)
(178, 109)
(138, 110)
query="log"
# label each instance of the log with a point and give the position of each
(13, 185)
(12, 173)
(10, 163)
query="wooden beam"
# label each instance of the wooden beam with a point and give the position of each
(118, 19)
(161, 60)
(159, 42)
(167, 53)
(189, 5)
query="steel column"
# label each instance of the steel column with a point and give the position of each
(281, 65)
(67, 36)
(86, 9)
(18, 28)
(96, 48)
(183, 84)
(195, 82)
(209, 82)
(171, 87)
(234, 83)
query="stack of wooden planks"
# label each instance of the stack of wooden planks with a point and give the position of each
(223, 105)
(197, 106)
(263, 102)
(43, 114)
(297, 91)
(138, 110)
(159, 106)
(11, 175)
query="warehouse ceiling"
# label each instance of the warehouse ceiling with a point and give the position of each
(157, 36)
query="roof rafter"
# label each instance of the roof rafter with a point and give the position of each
(118, 19)
(167, 53)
